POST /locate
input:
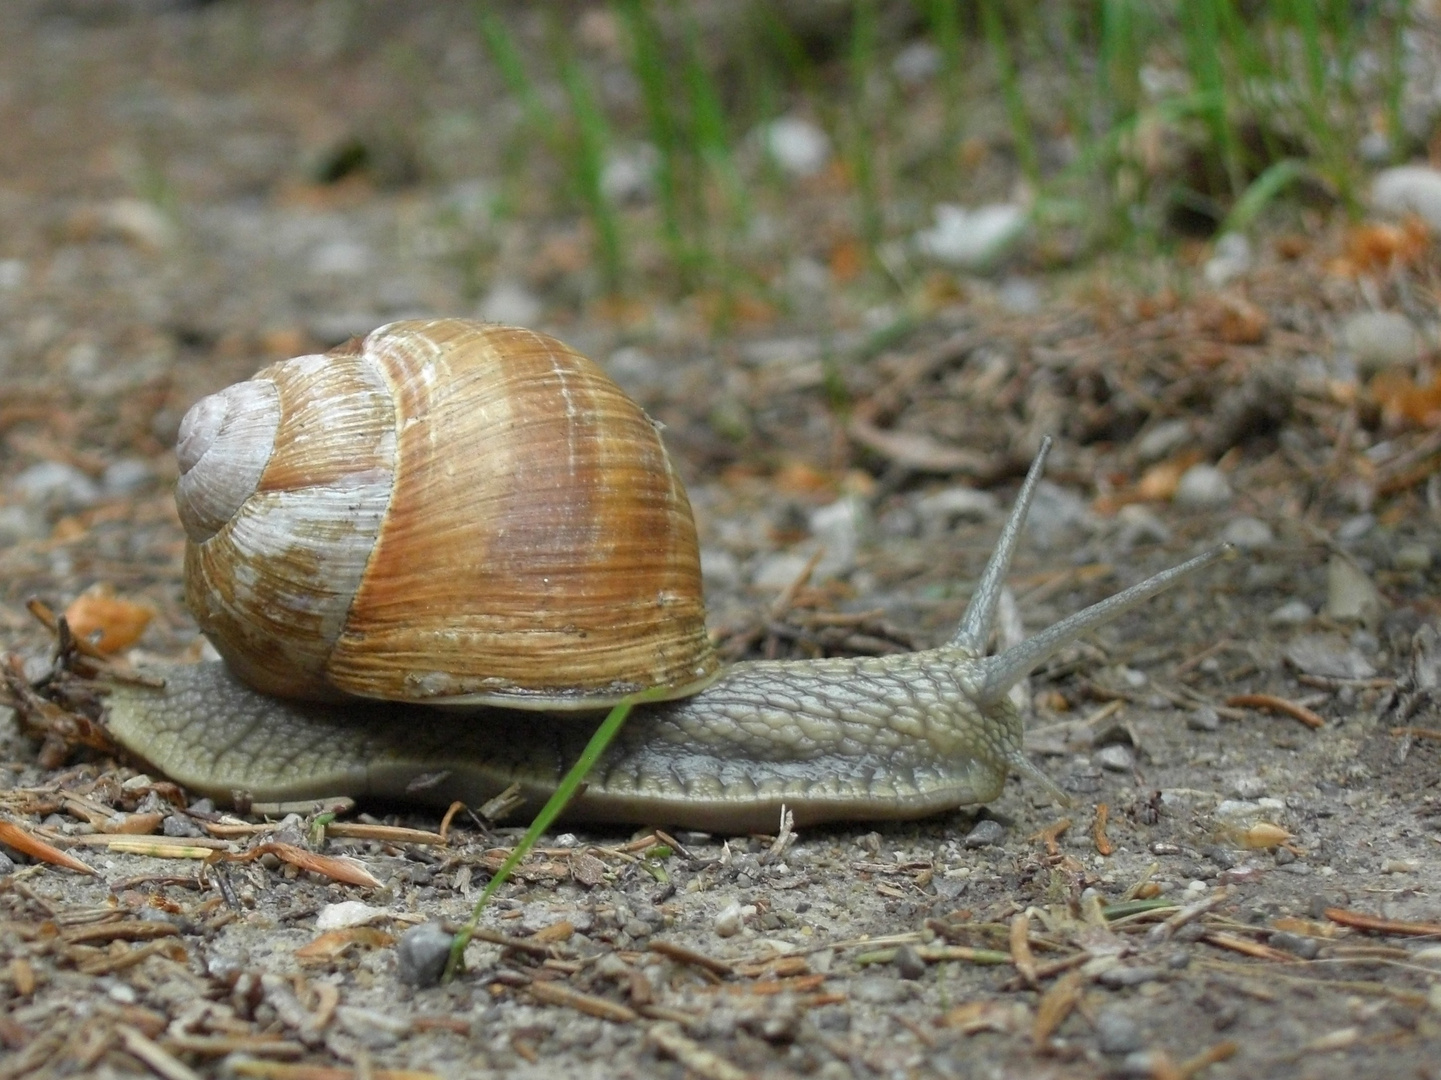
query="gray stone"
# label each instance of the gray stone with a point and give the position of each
(985, 833)
(421, 954)
(1248, 534)
(1115, 758)
(1117, 1033)
(1381, 339)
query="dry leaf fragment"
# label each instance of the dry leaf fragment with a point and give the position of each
(14, 836)
(107, 621)
(336, 943)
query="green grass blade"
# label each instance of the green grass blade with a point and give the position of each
(564, 792)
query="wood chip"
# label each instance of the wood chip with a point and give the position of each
(1055, 1005)
(670, 1040)
(158, 1059)
(554, 993)
(1361, 921)
(276, 1070)
(123, 930)
(1021, 954)
(689, 956)
(385, 834)
(1247, 947)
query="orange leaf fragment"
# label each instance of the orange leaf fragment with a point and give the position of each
(1375, 246)
(1159, 482)
(1404, 402)
(14, 836)
(107, 621)
(335, 943)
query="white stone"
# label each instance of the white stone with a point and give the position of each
(972, 239)
(1409, 189)
(346, 914)
(1380, 339)
(1203, 487)
(1230, 258)
(1248, 534)
(511, 303)
(798, 146)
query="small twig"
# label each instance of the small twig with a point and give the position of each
(1361, 921)
(1272, 703)
(1098, 830)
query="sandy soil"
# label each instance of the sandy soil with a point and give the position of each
(163, 235)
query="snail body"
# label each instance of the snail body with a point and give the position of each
(338, 681)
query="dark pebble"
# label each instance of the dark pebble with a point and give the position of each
(420, 956)
(180, 826)
(908, 963)
(1306, 948)
(986, 833)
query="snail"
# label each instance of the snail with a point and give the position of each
(429, 557)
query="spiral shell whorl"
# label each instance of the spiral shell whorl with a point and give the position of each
(450, 511)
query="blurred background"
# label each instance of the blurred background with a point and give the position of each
(852, 253)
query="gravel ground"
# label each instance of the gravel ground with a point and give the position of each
(1200, 910)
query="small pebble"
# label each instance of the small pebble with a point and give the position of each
(510, 302)
(629, 177)
(1284, 856)
(7, 865)
(1231, 258)
(878, 990)
(55, 484)
(1409, 189)
(940, 510)
(1117, 1033)
(972, 239)
(1248, 787)
(986, 833)
(1328, 657)
(421, 954)
(908, 963)
(798, 146)
(341, 258)
(127, 476)
(1120, 977)
(1355, 527)
(729, 920)
(20, 523)
(348, 913)
(1248, 534)
(1410, 558)
(1291, 613)
(1351, 596)
(1203, 487)
(1144, 1065)
(180, 825)
(1115, 758)
(1161, 440)
(1307, 948)
(1203, 719)
(1380, 339)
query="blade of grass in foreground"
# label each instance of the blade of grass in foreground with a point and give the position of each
(564, 792)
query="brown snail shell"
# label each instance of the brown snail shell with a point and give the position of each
(442, 511)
